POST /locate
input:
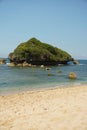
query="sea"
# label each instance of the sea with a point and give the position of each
(20, 79)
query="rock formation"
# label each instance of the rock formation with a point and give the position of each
(75, 62)
(2, 61)
(72, 75)
(37, 53)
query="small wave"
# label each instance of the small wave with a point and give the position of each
(76, 65)
(7, 63)
(81, 64)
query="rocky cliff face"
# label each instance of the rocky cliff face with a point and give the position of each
(35, 52)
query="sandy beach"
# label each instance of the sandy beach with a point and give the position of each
(53, 109)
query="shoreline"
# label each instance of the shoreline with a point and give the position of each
(37, 89)
(62, 108)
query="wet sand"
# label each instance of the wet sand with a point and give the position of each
(51, 109)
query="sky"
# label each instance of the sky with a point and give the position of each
(61, 23)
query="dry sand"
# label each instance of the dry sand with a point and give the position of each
(54, 109)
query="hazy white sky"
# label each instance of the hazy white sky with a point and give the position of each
(62, 23)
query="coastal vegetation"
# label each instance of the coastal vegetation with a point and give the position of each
(38, 53)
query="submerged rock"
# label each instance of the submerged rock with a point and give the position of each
(72, 75)
(50, 74)
(59, 71)
(48, 68)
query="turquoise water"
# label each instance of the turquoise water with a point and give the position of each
(16, 79)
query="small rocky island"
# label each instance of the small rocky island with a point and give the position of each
(36, 52)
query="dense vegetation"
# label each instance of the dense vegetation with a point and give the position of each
(35, 52)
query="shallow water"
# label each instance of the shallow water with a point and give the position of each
(14, 79)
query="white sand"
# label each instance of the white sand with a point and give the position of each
(57, 109)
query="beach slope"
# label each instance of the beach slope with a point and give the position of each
(53, 109)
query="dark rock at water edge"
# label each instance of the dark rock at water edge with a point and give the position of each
(76, 62)
(38, 53)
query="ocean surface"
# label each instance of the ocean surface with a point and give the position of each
(17, 79)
